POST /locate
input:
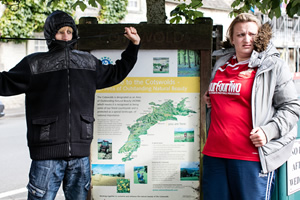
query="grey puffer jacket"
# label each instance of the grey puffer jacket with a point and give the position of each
(274, 102)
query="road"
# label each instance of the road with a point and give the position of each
(14, 159)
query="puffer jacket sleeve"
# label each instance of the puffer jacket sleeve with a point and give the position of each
(109, 75)
(15, 81)
(285, 102)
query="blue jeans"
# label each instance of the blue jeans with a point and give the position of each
(45, 177)
(230, 179)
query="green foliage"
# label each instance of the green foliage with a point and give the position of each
(23, 18)
(270, 7)
(83, 6)
(293, 8)
(185, 11)
(113, 11)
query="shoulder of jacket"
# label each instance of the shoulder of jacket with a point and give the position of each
(223, 52)
(54, 61)
(83, 53)
(39, 62)
(83, 60)
(275, 60)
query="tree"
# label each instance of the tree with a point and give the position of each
(156, 12)
(112, 11)
(25, 17)
(22, 18)
(189, 12)
(270, 7)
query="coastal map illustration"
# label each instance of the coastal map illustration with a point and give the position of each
(160, 113)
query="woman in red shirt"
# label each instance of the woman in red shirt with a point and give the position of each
(233, 160)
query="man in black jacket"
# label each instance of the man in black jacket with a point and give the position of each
(60, 86)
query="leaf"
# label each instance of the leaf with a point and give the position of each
(93, 3)
(177, 19)
(101, 2)
(80, 4)
(294, 2)
(277, 12)
(182, 6)
(198, 14)
(196, 4)
(235, 3)
(172, 20)
(175, 11)
(293, 8)
(276, 4)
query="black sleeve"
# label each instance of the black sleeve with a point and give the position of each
(109, 75)
(15, 81)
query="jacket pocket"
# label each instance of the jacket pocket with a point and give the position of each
(44, 129)
(87, 123)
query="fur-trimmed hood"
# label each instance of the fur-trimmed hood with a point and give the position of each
(263, 38)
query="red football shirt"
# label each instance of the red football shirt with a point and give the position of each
(231, 121)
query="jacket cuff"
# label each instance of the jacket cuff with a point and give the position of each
(133, 46)
(271, 131)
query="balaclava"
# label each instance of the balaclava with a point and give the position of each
(54, 22)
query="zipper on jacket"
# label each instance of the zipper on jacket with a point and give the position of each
(67, 56)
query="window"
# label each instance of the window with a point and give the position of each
(133, 5)
(40, 46)
(34, 46)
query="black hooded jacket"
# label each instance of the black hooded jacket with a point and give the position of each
(60, 87)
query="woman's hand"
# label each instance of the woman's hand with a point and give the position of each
(258, 137)
(207, 99)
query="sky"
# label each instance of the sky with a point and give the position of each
(108, 168)
(189, 165)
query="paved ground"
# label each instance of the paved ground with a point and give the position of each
(14, 112)
(15, 118)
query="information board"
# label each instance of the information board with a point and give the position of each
(146, 132)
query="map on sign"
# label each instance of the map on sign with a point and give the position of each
(160, 113)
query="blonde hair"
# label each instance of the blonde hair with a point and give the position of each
(243, 17)
(66, 28)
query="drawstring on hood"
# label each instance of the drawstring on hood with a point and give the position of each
(56, 21)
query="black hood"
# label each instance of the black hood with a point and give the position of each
(54, 22)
